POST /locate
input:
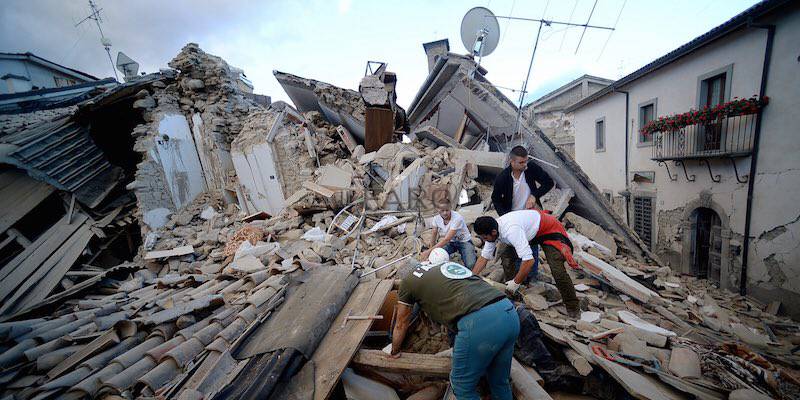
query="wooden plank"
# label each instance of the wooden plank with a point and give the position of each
(100, 343)
(25, 263)
(618, 279)
(178, 251)
(524, 386)
(638, 385)
(320, 190)
(55, 273)
(340, 344)
(460, 130)
(408, 363)
(19, 197)
(378, 128)
(578, 361)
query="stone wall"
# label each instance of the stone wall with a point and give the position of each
(205, 93)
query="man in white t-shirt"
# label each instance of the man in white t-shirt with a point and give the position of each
(519, 187)
(457, 237)
(522, 231)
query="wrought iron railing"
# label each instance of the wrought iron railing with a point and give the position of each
(727, 137)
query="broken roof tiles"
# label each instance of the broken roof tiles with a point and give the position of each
(206, 283)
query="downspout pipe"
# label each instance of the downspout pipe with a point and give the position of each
(627, 133)
(754, 158)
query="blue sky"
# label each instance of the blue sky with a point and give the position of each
(333, 40)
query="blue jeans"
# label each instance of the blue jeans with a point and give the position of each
(485, 346)
(466, 249)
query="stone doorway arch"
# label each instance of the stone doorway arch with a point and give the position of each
(706, 238)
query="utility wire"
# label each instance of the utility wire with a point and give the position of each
(502, 38)
(612, 32)
(584, 28)
(569, 20)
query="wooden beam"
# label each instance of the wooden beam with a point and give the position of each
(340, 344)
(378, 128)
(320, 190)
(408, 363)
(461, 127)
(524, 385)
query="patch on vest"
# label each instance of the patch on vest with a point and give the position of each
(455, 271)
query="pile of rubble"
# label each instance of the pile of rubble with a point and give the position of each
(265, 265)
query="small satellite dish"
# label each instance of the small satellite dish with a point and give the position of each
(480, 31)
(126, 65)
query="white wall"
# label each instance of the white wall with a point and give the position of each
(775, 251)
(38, 76)
(179, 161)
(774, 260)
(605, 168)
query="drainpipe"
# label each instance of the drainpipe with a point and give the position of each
(754, 158)
(627, 188)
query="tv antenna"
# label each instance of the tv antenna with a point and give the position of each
(480, 33)
(543, 22)
(95, 15)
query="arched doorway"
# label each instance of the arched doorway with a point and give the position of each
(706, 245)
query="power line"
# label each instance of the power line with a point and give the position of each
(502, 38)
(584, 28)
(612, 32)
(565, 30)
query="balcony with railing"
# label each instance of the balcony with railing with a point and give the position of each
(725, 137)
(724, 130)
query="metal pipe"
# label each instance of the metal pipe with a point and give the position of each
(385, 265)
(627, 133)
(754, 158)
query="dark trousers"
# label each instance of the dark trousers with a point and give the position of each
(510, 262)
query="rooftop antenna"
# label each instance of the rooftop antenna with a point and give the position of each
(542, 22)
(480, 33)
(95, 15)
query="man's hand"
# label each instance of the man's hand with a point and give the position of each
(424, 255)
(512, 286)
(395, 355)
(530, 204)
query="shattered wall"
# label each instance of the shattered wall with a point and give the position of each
(191, 121)
(449, 81)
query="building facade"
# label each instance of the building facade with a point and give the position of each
(548, 114)
(689, 189)
(23, 72)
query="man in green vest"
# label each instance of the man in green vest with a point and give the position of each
(485, 321)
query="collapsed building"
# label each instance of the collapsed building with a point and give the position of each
(179, 238)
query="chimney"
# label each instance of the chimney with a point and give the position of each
(434, 50)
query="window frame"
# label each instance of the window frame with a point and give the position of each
(600, 149)
(702, 87)
(639, 139)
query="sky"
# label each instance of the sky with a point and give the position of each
(332, 40)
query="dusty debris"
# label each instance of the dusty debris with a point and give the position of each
(274, 194)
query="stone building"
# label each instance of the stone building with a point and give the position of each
(548, 114)
(713, 197)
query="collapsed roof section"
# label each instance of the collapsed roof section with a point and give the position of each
(339, 106)
(449, 98)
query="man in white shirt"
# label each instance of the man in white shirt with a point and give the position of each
(457, 237)
(519, 187)
(522, 231)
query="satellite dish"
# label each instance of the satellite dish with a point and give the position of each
(480, 31)
(126, 65)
